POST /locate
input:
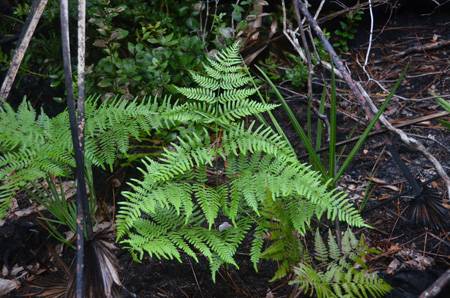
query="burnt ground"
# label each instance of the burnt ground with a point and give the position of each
(412, 256)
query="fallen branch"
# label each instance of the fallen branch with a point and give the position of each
(437, 286)
(25, 36)
(425, 47)
(349, 10)
(381, 131)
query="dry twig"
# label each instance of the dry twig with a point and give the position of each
(420, 48)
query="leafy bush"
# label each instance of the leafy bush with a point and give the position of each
(348, 30)
(144, 57)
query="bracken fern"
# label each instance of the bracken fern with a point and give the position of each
(178, 206)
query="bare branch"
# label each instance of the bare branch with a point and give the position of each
(25, 36)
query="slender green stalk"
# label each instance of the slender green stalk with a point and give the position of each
(272, 118)
(308, 117)
(56, 204)
(320, 122)
(333, 111)
(367, 193)
(349, 137)
(443, 103)
(306, 141)
(368, 129)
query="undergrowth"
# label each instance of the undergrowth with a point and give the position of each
(217, 185)
(184, 203)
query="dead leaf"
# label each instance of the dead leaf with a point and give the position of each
(114, 35)
(99, 44)
(393, 266)
(394, 247)
(269, 294)
(16, 270)
(391, 187)
(7, 285)
(379, 181)
(5, 271)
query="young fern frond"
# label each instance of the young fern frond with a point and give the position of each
(257, 245)
(321, 251)
(334, 251)
(336, 276)
(339, 281)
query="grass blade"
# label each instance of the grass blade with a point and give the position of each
(307, 142)
(369, 128)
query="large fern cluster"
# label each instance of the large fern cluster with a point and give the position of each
(185, 202)
(32, 145)
(179, 207)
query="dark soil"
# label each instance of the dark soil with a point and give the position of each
(413, 256)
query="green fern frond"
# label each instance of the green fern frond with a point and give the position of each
(282, 270)
(335, 252)
(111, 125)
(228, 57)
(339, 282)
(192, 111)
(194, 237)
(212, 83)
(300, 213)
(232, 111)
(309, 279)
(32, 146)
(257, 245)
(209, 201)
(239, 139)
(321, 251)
(224, 115)
(276, 251)
(230, 81)
(215, 74)
(214, 266)
(206, 95)
(159, 247)
(239, 94)
(152, 236)
(349, 241)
